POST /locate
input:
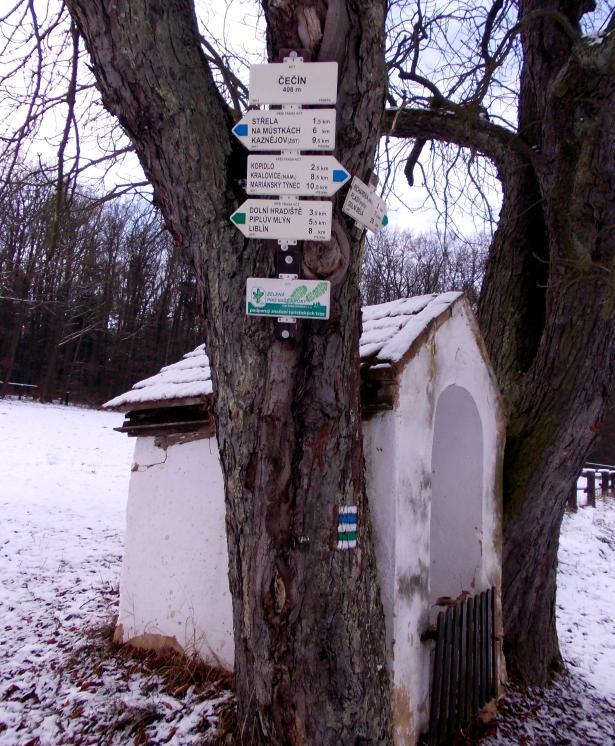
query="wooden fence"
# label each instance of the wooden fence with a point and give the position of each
(464, 665)
(599, 481)
(21, 389)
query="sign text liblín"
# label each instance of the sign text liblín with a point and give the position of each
(301, 220)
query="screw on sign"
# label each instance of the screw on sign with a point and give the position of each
(287, 129)
(296, 175)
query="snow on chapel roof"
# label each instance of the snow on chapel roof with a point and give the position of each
(189, 378)
(390, 329)
(389, 333)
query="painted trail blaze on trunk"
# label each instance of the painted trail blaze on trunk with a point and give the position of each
(309, 628)
(346, 527)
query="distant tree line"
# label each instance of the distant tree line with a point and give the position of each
(399, 264)
(93, 296)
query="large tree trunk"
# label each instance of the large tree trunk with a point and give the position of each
(547, 312)
(546, 307)
(309, 632)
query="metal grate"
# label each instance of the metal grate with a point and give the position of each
(464, 667)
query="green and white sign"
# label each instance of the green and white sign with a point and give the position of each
(301, 220)
(298, 299)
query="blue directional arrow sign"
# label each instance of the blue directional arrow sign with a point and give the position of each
(287, 129)
(241, 130)
(296, 175)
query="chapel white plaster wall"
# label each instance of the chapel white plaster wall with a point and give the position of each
(451, 356)
(175, 569)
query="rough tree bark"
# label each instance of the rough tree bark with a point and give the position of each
(309, 631)
(547, 302)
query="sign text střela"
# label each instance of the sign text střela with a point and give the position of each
(287, 129)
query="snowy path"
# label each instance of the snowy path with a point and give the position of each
(586, 595)
(63, 484)
(579, 709)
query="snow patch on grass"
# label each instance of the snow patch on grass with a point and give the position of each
(63, 486)
(586, 594)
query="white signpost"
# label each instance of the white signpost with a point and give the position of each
(306, 175)
(293, 82)
(287, 129)
(293, 299)
(365, 206)
(302, 220)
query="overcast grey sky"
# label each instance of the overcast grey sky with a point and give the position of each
(237, 26)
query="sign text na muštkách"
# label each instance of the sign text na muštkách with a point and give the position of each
(287, 129)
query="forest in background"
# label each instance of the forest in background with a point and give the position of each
(92, 297)
(95, 296)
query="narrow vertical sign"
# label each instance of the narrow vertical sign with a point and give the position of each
(365, 206)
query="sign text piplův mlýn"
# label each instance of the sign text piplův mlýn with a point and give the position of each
(302, 220)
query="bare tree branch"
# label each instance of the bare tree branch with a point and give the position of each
(236, 89)
(469, 130)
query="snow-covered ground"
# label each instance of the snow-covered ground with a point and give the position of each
(579, 709)
(586, 595)
(63, 485)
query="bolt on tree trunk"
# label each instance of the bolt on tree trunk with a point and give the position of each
(309, 630)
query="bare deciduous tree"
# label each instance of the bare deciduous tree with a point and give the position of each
(546, 306)
(400, 264)
(104, 303)
(309, 632)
